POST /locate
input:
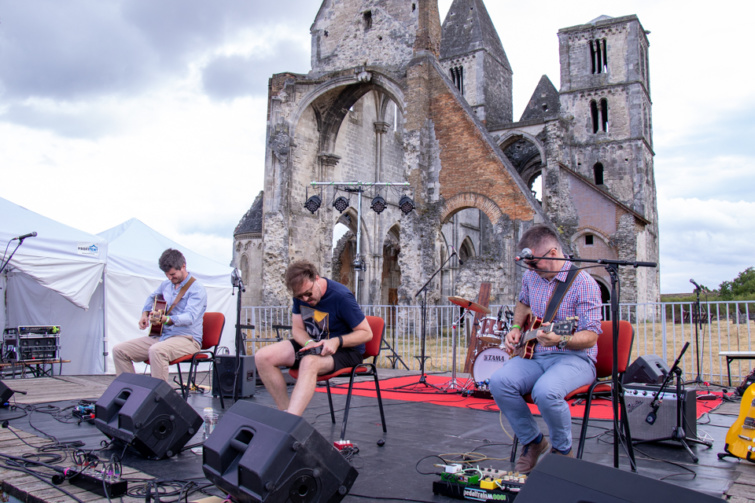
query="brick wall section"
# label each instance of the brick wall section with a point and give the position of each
(470, 165)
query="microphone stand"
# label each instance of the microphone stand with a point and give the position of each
(423, 308)
(697, 319)
(617, 391)
(237, 283)
(3, 265)
(678, 434)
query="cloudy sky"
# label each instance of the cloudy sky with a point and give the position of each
(155, 109)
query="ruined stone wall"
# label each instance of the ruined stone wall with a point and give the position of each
(350, 33)
(498, 92)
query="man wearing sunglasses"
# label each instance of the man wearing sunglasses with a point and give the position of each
(325, 317)
(559, 364)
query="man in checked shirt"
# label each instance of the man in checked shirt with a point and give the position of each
(560, 364)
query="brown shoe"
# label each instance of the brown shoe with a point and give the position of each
(531, 454)
(570, 454)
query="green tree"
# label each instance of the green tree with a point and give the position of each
(740, 288)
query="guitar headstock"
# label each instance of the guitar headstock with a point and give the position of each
(566, 327)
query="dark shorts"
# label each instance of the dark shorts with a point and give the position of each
(343, 358)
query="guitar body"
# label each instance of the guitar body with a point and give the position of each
(526, 346)
(740, 439)
(159, 306)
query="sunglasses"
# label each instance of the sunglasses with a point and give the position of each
(533, 263)
(306, 295)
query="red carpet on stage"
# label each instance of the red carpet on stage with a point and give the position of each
(409, 389)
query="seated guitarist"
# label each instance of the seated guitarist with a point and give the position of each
(176, 327)
(560, 364)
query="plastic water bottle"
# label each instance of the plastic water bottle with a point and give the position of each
(210, 420)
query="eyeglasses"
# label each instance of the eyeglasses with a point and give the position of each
(533, 263)
(308, 294)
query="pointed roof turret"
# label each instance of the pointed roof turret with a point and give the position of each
(251, 222)
(544, 103)
(468, 28)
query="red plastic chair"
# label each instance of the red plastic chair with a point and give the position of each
(212, 329)
(372, 349)
(603, 371)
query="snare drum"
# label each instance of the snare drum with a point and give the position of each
(491, 331)
(486, 362)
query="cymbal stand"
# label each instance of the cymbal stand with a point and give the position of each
(457, 324)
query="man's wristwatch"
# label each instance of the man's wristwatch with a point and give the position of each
(563, 342)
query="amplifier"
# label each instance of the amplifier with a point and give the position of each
(34, 330)
(638, 397)
(30, 347)
(244, 376)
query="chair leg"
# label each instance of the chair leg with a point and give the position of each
(330, 402)
(346, 410)
(184, 393)
(216, 374)
(380, 403)
(514, 446)
(585, 421)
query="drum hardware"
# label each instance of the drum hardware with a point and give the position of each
(468, 304)
(458, 322)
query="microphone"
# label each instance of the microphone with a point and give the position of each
(526, 254)
(236, 280)
(696, 285)
(21, 238)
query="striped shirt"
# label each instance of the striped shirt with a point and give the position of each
(582, 300)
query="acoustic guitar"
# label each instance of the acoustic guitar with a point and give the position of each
(740, 439)
(158, 308)
(526, 345)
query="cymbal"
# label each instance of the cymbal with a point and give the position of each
(468, 304)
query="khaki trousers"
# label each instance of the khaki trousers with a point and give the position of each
(159, 354)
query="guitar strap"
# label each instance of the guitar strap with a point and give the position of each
(559, 293)
(180, 295)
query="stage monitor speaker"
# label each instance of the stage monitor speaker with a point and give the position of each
(260, 454)
(638, 397)
(245, 378)
(648, 369)
(5, 393)
(147, 414)
(570, 480)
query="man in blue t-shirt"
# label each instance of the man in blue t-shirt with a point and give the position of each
(325, 315)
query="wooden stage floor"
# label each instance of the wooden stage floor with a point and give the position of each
(418, 432)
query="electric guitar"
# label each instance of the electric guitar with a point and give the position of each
(740, 439)
(526, 345)
(158, 308)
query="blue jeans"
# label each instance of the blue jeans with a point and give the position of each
(548, 377)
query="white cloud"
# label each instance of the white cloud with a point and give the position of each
(106, 114)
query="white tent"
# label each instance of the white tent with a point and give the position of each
(54, 278)
(132, 273)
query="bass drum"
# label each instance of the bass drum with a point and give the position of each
(487, 362)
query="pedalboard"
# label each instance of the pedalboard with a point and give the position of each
(480, 484)
(93, 481)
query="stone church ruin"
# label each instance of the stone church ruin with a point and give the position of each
(394, 96)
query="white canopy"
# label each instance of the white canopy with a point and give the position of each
(132, 273)
(63, 259)
(54, 278)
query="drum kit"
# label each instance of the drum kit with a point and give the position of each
(489, 353)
